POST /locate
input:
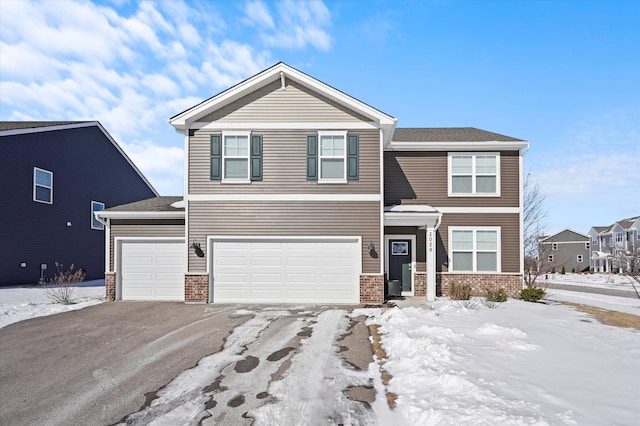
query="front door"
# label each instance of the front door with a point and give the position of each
(400, 262)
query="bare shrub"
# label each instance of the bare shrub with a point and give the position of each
(61, 287)
(460, 292)
(494, 297)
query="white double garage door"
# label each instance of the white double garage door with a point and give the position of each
(246, 270)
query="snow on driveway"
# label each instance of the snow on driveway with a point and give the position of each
(21, 303)
(522, 363)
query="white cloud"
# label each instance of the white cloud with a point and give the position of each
(258, 13)
(301, 23)
(161, 165)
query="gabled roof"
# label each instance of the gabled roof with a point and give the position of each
(565, 236)
(11, 128)
(183, 120)
(447, 134)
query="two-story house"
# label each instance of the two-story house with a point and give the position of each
(55, 175)
(567, 249)
(296, 192)
(613, 245)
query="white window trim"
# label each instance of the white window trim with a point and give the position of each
(35, 169)
(93, 217)
(550, 258)
(473, 192)
(554, 246)
(474, 250)
(342, 133)
(621, 235)
(594, 241)
(587, 246)
(580, 258)
(223, 157)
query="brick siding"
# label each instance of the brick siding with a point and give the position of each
(420, 284)
(196, 288)
(372, 289)
(110, 286)
(512, 283)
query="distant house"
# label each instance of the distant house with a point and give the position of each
(54, 176)
(609, 244)
(566, 249)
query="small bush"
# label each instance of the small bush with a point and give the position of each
(563, 271)
(553, 270)
(573, 270)
(532, 294)
(496, 295)
(61, 287)
(460, 292)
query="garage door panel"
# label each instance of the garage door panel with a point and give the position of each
(152, 270)
(287, 270)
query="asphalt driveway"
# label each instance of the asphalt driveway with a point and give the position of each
(107, 363)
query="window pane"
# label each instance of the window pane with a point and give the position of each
(486, 164)
(462, 240)
(331, 169)
(236, 145)
(486, 240)
(236, 168)
(461, 164)
(96, 207)
(486, 184)
(332, 146)
(43, 178)
(461, 184)
(43, 194)
(487, 262)
(462, 261)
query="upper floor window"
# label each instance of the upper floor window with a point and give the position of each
(554, 246)
(42, 186)
(619, 237)
(474, 174)
(236, 157)
(96, 206)
(587, 246)
(594, 241)
(475, 249)
(332, 157)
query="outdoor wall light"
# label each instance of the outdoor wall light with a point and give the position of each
(372, 250)
(196, 248)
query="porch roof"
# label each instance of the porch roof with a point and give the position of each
(421, 215)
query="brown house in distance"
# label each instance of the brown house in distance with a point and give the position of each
(296, 192)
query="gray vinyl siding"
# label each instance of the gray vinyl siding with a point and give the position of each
(210, 218)
(421, 178)
(510, 234)
(143, 228)
(567, 236)
(284, 165)
(294, 104)
(565, 256)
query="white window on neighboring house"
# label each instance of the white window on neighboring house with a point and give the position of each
(475, 249)
(550, 258)
(594, 241)
(619, 237)
(42, 186)
(96, 206)
(587, 246)
(333, 157)
(235, 157)
(554, 246)
(474, 174)
(580, 258)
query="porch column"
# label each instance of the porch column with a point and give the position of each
(431, 263)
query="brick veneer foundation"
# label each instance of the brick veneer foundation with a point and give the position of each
(196, 288)
(420, 284)
(512, 283)
(110, 286)
(372, 289)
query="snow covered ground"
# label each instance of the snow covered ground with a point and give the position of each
(21, 303)
(521, 363)
(597, 280)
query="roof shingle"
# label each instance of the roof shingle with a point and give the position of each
(447, 134)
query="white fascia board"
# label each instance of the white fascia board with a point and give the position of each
(458, 146)
(183, 120)
(299, 125)
(283, 197)
(411, 219)
(140, 215)
(478, 210)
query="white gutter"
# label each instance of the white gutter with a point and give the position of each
(457, 146)
(140, 215)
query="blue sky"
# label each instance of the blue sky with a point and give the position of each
(564, 75)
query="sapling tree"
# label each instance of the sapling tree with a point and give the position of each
(61, 287)
(534, 218)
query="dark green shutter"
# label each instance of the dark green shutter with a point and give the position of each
(312, 157)
(256, 157)
(216, 157)
(352, 158)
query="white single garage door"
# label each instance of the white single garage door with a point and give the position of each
(286, 271)
(152, 270)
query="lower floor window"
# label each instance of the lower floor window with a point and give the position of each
(475, 249)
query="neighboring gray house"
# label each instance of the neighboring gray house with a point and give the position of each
(54, 176)
(296, 192)
(610, 244)
(567, 249)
